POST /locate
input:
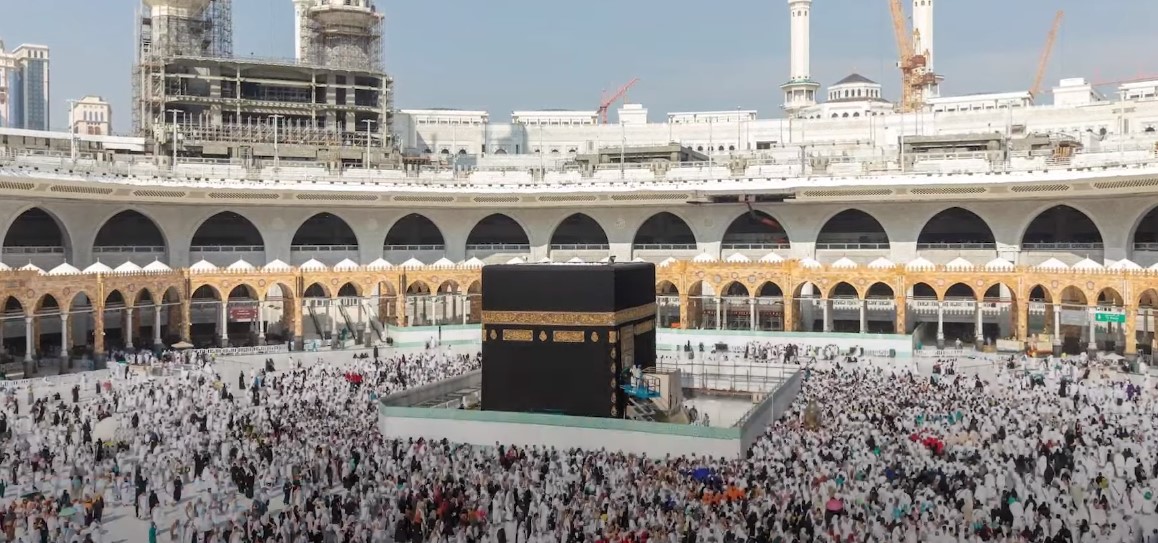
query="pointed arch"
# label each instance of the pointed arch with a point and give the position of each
(115, 300)
(843, 290)
(960, 291)
(129, 229)
(414, 232)
(664, 230)
(13, 307)
(47, 305)
(852, 229)
(448, 287)
(755, 230)
(243, 292)
(418, 288)
(37, 230)
(879, 291)
(956, 228)
(1110, 296)
(206, 293)
(579, 231)
(227, 229)
(1058, 227)
(734, 289)
(769, 289)
(666, 288)
(922, 290)
(1145, 235)
(497, 230)
(316, 290)
(326, 230)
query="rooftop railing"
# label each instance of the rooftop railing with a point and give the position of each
(866, 165)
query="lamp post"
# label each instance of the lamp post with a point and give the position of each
(276, 157)
(368, 123)
(174, 142)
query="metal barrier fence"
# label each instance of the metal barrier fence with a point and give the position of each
(244, 351)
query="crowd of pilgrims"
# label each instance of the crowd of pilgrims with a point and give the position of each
(866, 454)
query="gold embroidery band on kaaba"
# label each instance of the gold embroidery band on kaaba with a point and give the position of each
(517, 335)
(644, 327)
(567, 336)
(568, 318)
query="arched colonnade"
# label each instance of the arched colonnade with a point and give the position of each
(1112, 308)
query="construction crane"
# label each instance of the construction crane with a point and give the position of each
(1043, 62)
(915, 75)
(606, 101)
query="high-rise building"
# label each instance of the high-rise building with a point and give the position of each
(24, 90)
(6, 66)
(90, 115)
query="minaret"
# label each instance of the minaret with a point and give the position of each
(300, 9)
(923, 41)
(800, 90)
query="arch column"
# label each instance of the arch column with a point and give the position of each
(979, 324)
(863, 307)
(64, 336)
(292, 308)
(225, 322)
(826, 315)
(1130, 346)
(98, 330)
(29, 341)
(127, 327)
(901, 305)
(157, 343)
(186, 319)
(684, 301)
(1092, 311)
(789, 313)
(940, 324)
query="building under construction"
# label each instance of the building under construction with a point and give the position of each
(193, 98)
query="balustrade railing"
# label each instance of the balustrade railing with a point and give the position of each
(957, 246)
(32, 250)
(580, 247)
(852, 246)
(1061, 246)
(106, 249)
(323, 248)
(664, 246)
(227, 249)
(888, 163)
(499, 247)
(755, 246)
(414, 248)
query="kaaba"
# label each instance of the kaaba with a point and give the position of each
(559, 339)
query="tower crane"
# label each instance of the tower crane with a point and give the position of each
(1043, 62)
(915, 74)
(607, 101)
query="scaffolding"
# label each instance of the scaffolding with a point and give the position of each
(346, 37)
(163, 35)
(192, 99)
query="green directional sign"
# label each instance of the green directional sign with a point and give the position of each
(1119, 318)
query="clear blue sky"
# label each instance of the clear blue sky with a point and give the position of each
(502, 55)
